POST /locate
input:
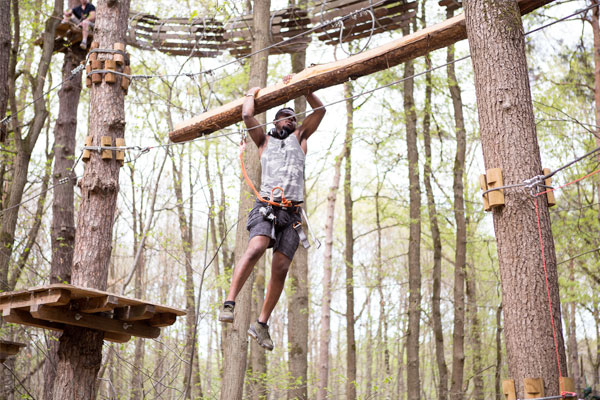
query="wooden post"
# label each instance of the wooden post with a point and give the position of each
(311, 79)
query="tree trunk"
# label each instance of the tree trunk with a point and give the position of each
(63, 207)
(187, 244)
(298, 303)
(80, 350)
(413, 379)
(4, 57)
(460, 252)
(235, 342)
(497, 383)
(349, 250)
(25, 147)
(474, 334)
(257, 370)
(436, 314)
(325, 328)
(509, 142)
(572, 347)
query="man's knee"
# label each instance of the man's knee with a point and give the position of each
(281, 266)
(257, 247)
(85, 23)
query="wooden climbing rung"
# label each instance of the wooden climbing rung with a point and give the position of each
(54, 306)
(8, 348)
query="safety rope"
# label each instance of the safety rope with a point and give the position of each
(285, 203)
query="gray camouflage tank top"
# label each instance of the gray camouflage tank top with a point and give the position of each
(283, 165)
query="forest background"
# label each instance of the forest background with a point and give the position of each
(183, 200)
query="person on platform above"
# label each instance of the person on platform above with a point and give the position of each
(282, 154)
(83, 16)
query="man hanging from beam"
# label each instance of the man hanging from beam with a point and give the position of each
(274, 223)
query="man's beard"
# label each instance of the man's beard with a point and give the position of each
(284, 133)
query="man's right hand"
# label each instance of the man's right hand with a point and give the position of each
(252, 91)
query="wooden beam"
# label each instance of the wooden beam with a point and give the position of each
(321, 76)
(92, 321)
(163, 319)
(135, 313)
(96, 304)
(21, 317)
(55, 297)
(116, 337)
(8, 348)
(24, 318)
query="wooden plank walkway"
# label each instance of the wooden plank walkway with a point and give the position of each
(54, 306)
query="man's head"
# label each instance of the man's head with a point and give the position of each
(83, 2)
(285, 120)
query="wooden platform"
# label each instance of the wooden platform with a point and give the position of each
(284, 24)
(389, 15)
(195, 37)
(54, 306)
(67, 35)
(8, 348)
(451, 4)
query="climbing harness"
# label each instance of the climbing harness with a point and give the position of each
(268, 212)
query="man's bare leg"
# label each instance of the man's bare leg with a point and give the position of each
(85, 26)
(279, 270)
(256, 248)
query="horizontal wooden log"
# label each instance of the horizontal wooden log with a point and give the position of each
(21, 317)
(96, 304)
(162, 319)
(314, 78)
(24, 318)
(57, 297)
(135, 313)
(92, 321)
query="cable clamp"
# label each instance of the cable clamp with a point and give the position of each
(78, 69)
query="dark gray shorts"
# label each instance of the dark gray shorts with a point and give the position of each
(286, 238)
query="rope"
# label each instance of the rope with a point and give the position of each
(284, 202)
(537, 213)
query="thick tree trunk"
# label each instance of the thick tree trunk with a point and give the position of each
(436, 314)
(325, 326)
(349, 250)
(413, 379)
(298, 303)
(80, 350)
(509, 142)
(460, 252)
(63, 207)
(235, 342)
(4, 57)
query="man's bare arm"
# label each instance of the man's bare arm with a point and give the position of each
(92, 16)
(311, 123)
(257, 133)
